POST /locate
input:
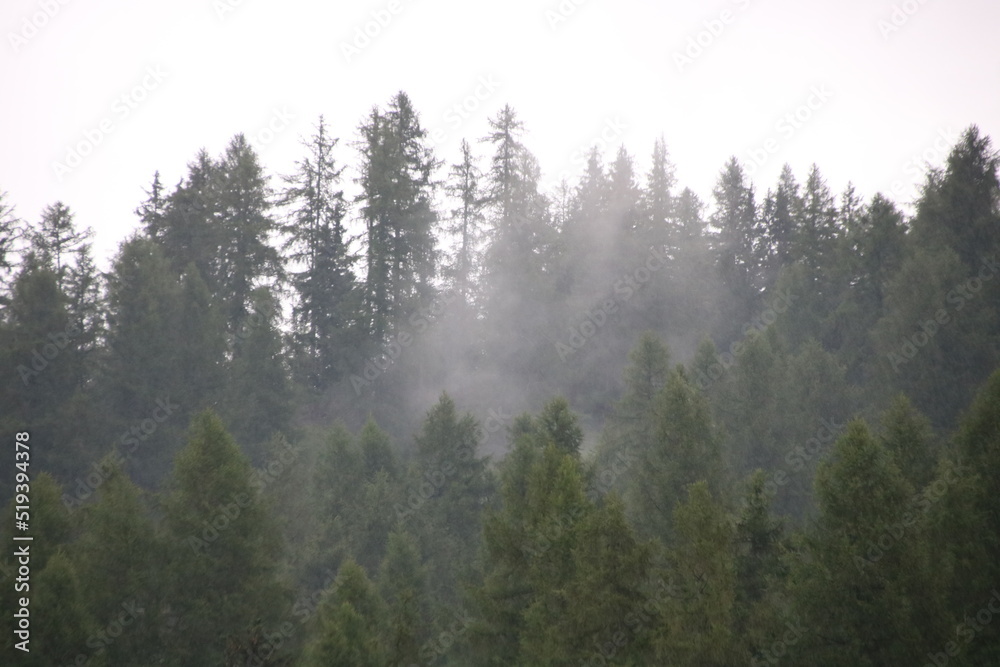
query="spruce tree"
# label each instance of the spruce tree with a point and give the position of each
(396, 206)
(325, 315)
(467, 217)
(223, 546)
(351, 623)
(852, 592)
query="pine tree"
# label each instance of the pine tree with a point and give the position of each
(782, 210)
(761, 570)
(958, 206)
(62, 629)
(685, 450)
(186, 223)
(44, 367)
(739, 249)
(57, 240)
(467, 223)
(447, 488)
(632, 425)
(402, 585)
(351, 620)
(558, 425)
(871, 253)
(908, 435)
(246, 257)
(334, 496)
(750, 402)
(200, 341)
(659, 207)
(143, 305)
(623, 195)
(258, 401)
(816, 231)
(119, 559)
(934, 334)
(224, 546)
(853, 589)
(517, 229)
(699, 616)
(10, 233)
(325, 316)
(397, 193)
(963, 513)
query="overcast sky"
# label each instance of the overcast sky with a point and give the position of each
(871, 85)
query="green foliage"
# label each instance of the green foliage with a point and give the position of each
(908, 435)
(854, 585)
(224, 548)
(402, 584)
(880, 549)
(685, 450)
(325, 315)
(698, 620)
(120, 559)
(62, 627)
(351, 618)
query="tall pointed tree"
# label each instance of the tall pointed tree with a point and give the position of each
(10, 233)
(685, 450)
(325, 316)
(739, 248)
(246, 256)
(224, 546)
(396, 195)
(467, 221)
(57, 240)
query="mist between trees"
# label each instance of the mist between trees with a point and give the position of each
(708, 432)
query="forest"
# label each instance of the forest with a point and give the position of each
(387, 411)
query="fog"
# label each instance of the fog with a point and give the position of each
(422, 333)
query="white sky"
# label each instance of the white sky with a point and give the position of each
(607, 62)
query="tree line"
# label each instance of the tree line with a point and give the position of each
(757, 431)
